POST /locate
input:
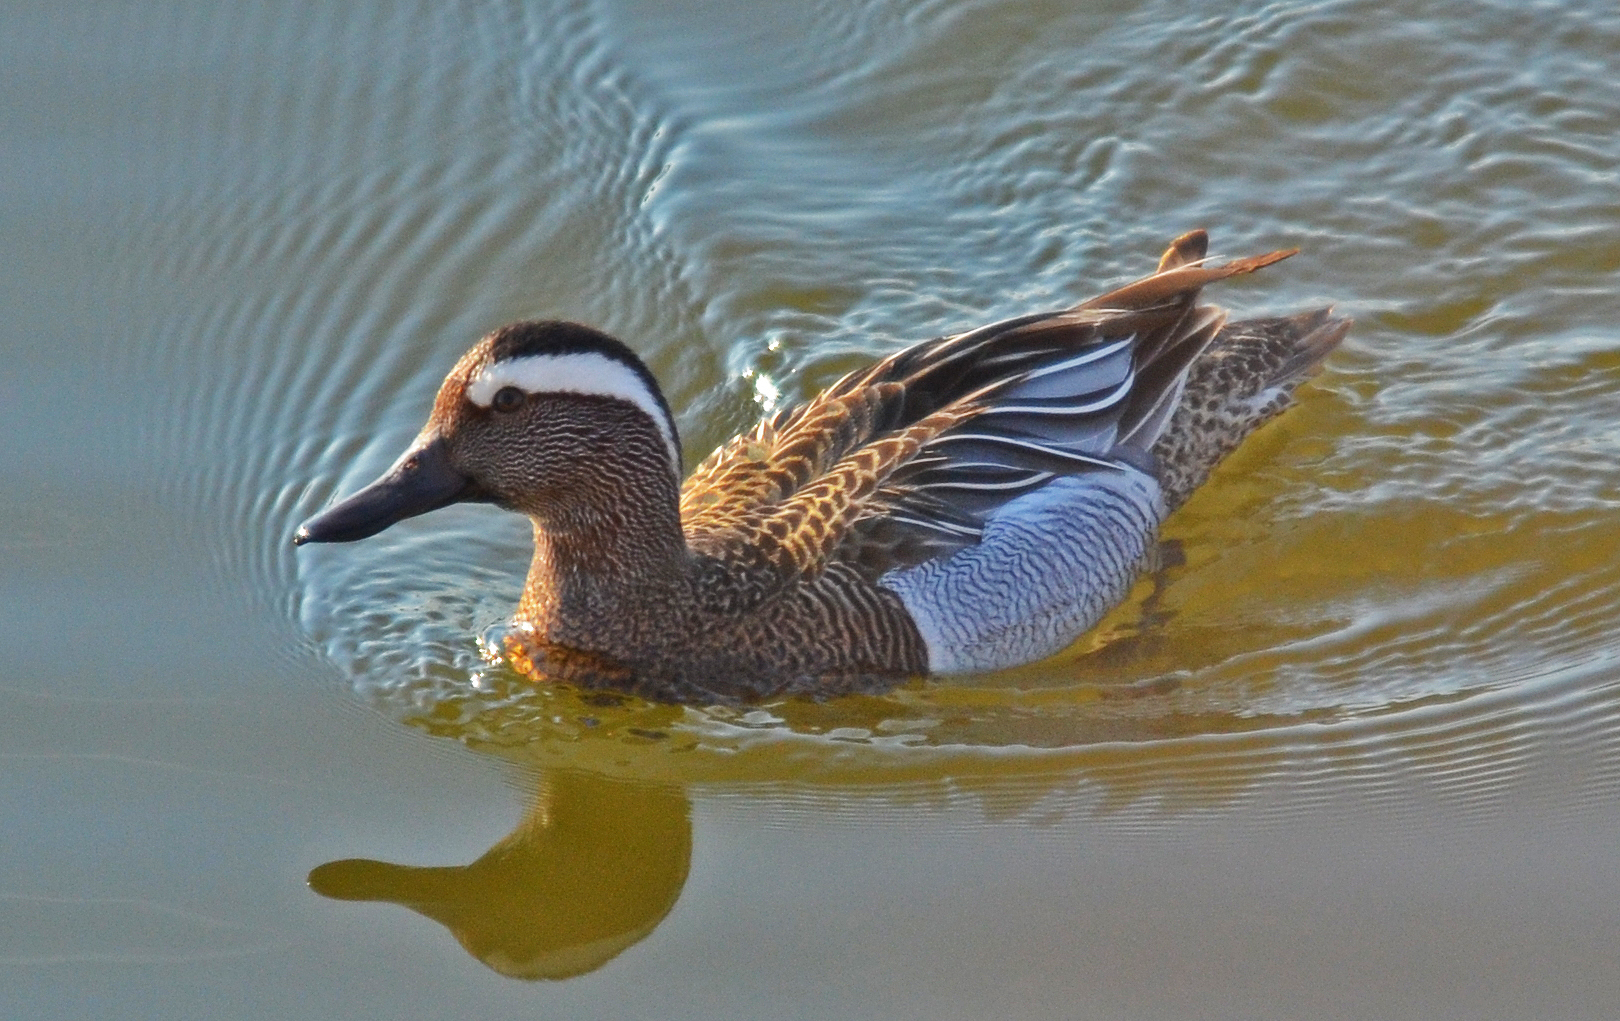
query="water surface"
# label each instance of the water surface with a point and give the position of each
(1356, 757)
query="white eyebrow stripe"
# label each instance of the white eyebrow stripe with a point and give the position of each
(579, 372)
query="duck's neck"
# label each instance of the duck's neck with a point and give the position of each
(607, 571)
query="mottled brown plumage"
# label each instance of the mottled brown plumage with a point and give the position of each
(1244, 379)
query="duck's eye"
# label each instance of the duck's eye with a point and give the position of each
(508, 398)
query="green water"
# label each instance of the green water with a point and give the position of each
(1358, 757)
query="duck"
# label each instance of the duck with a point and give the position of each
(967, 504)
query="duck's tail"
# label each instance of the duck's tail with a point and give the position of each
(1246, 377)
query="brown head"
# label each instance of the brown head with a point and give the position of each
(551, 419)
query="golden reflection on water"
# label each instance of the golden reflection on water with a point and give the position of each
(593, 868)
(603, 852)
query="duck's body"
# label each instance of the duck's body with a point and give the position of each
(967, 504)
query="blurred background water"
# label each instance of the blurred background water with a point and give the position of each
(1357, 757)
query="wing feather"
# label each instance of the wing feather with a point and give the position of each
(906, 459)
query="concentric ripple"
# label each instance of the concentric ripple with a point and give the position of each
(1419, 563)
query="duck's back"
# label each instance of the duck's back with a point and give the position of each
(1003, 485)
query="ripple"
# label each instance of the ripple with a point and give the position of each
(1415, 570)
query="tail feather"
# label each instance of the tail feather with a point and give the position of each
(1246, 377)
(1190, 248)
(1320, 332)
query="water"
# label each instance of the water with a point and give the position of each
(1356, 758)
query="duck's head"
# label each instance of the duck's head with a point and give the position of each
(539, 417)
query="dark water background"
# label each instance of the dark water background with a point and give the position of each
(1360, 758)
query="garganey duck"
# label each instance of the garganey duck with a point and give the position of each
(966, 504)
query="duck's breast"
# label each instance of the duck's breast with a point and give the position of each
(1049, 566)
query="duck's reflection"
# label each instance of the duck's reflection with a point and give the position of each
(593, 868)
